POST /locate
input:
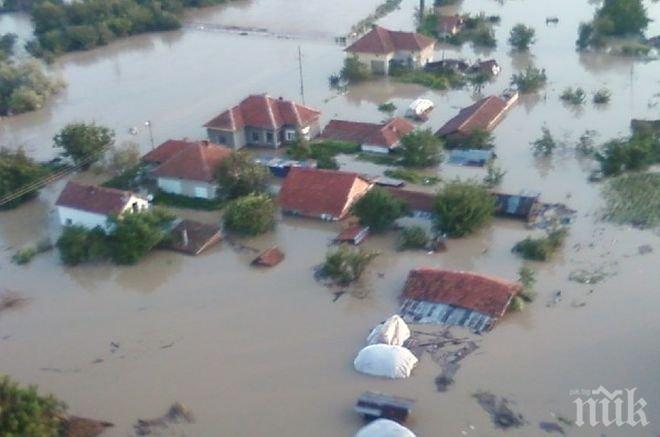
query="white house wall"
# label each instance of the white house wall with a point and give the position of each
(70, 216)
(184, 187)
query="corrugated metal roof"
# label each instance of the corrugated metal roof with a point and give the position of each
(470, 157)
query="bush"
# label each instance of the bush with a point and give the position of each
(463, 207)
(354, 70)
(521, 37)
(636, 153)
(413, 237)
(134, 235)
(388, 107)
(494, 175)
(527, 277)
(24, 86)
(575, 96)
(85, 143)
(17, 170)
(25, 255)
(634, 199)
(420, 148)
(545, 145)
(238, 175)
(602, 96)
(23, 412)
(378, 209)
(530, 80)
(346, 264)
(79, 245)
(251, 215)
(541, 249)
(477, 139)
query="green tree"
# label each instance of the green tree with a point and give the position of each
(378, 209)
(545, 145)
(621, 17)
(23, 412)
(253, 214)
(463, 207)
(24, 86)
(85, 143)
(354, 70)
(16, 171)
(346, 264)
(79, 245)
(413, 237)
(133, 235)
(521, 37)
(238, 175)
(123, 158)
(421, 148)
(7, 43)
(529, 80)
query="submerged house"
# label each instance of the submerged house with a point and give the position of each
(521, 206)
(187, 168)
(192, 237)
(380, 46)
(450, 297)
(91, 206)
(419, 204)
(489, 67)
(371, 137)
(482, 115)
(324, 194)
(471, 157)
(263, 121)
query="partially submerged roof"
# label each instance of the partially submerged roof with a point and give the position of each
(266, 112)
(353, 234)
(383, 41)
(414, 200)
(269, 257)
(480, 115)
(94, 199)
(192, 237)
(314, 192)
(473, 291)
(516, 205)
(380, 134)
(196, 161)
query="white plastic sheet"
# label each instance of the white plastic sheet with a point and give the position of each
(385, 360)
(392, 331)
(384, 428)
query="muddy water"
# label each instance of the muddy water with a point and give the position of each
(255, 352)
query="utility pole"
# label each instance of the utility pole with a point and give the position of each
(422, 10)
(151, 134)
(300, 67)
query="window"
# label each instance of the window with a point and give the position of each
(255, 137)
(290, 135)
(69, 222)
(222, 139)
(269, 137)
(135, 207)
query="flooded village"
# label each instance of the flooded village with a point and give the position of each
(333, 286)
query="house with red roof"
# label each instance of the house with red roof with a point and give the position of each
(380, 46)
(324, 194)
(91, 206)
(371, 137)
(451, 297)
(449, 25)
(484, 115)
(260, 120)
(186, 168)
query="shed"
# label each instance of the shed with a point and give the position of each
(471, 157)
(269, 257)
(193, 238)
(520, 206)
(373, 405)
(353, 235)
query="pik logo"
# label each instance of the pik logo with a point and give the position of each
(602, 407)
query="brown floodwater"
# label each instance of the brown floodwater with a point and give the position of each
(267, 352)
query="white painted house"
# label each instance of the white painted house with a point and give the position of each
(91, 206)
(187, 168)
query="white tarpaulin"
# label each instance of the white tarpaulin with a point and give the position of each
(419, 107)
(385, 360)
(392, 331)
(384, 428)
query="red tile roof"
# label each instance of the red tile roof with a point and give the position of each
(313, 192)
(383, 134)
(480, 115)
(486, 294)
(415, 200)
(165, 151)
(201, 236)
(382, 41)
(92, 198)
(269, 257)
(264, 111)
(197, 161)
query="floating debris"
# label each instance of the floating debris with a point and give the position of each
(645, 249)
(177, 413)
(11, 300)
(587, 277)
(500, 411)
(552, 427)
(74, 426)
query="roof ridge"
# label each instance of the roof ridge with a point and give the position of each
(269, 100)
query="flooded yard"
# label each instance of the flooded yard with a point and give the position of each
(268, 352)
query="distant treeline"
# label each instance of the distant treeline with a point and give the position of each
(61, 27)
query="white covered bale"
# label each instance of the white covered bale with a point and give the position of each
(392, 331)
(384, 428)
(385, 360)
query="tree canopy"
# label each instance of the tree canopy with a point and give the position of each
(463, 207)
(238, 175)
(253, 214)
(84, 143)
(521, 37)
(134, 235)
(16, 171)
(421, 148)
(24, 86)
(378, 209)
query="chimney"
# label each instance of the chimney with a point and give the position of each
(205, 143)
(184, 237)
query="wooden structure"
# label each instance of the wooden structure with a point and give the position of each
(374, 405)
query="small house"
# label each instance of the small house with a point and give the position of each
(484, 115)
(520, 206)
(371, 137)
(380, 47)
(269, 257)
(471, 157)
(450, 297)
(187, 168)
(262, 121)
(91, 206)
(449, 25)
(324, 194)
